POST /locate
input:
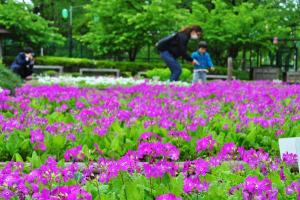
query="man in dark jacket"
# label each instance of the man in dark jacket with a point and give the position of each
(23, 64)
(175, 46)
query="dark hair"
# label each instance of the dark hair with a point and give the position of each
(28, 50)
(192, 28)
(203, 44)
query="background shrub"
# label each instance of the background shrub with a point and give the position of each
(72, 65)
(8, 79)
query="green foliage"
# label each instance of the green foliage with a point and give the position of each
(52, 11)
(164, 74)
(74, 64)
(246, 25)
(26, 26)
(127, 26)
(8, 79)
(50, 73)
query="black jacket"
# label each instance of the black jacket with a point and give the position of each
(177, 46)
(21, 62)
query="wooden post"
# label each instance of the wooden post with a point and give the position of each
(42, 51)
(229, 68)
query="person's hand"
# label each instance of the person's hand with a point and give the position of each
(31, 57)
(195, 62)
(212, 69)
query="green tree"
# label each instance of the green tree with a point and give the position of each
(231, 28)
(26, 26)
(52, 11)
(127, 26)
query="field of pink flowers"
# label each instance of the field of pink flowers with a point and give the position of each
(208, 141)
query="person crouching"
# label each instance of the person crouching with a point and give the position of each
(23, 63)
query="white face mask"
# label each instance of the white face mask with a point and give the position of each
(194, 36)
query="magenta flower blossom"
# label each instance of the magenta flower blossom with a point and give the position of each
(294, 187)
(225, 126)
(168, 197)
(40, 146)
(194, 184)
(167, 124)
(98, 149)
(36, 136)
(71, 192)
(79, 105)
(235, 188)
(160, 168)
(290, 158)
(7, 194)
(198, 167)
(279, 132)
(227, 151)
(252, 157)
(74, 153)
(215, 161)
(252, 188)
(148, 136)
(182, 134)
(281, 174)
(69, 172)
(64, 192)
(71, 137)
(157, 149)
(205, 143)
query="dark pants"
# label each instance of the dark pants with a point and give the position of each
(172, 64)
(22, 71)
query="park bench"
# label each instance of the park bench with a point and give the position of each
(265, 73)
(141, 74)
(223, 77)
(49, 67)
(293, 77)
(116, 71)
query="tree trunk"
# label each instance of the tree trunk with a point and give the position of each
(271, 57)
(233, 51)
(229, 68)
(132, 54)
(1, 56)
(257, 57)
(244, 60)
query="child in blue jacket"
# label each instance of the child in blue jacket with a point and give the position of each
(202, 63)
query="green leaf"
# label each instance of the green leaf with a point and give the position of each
(18, 158)
(115, 144)
(59, 141)
(35, 160)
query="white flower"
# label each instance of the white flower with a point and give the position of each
(277, 81)
(106, 81)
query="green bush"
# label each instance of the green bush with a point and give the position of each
(8, 80)
(74, 64)
(50, 73)
(164, 74)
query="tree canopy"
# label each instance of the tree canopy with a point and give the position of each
(26, 26)
(123, 28)
(127, 26)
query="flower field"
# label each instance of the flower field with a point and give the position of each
(167, 142)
